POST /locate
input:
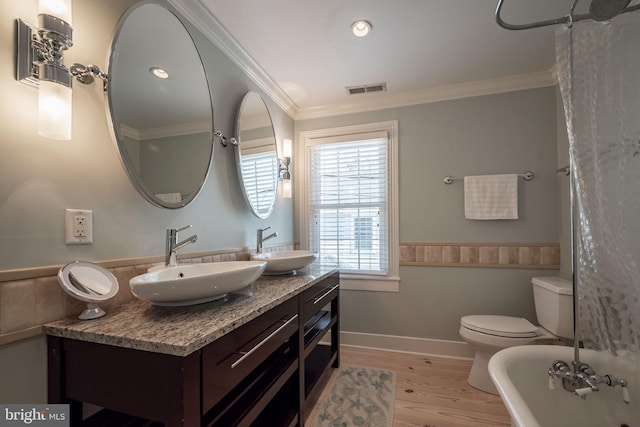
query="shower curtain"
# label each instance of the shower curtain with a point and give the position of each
(599, 74)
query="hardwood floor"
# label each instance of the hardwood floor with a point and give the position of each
(431, 392)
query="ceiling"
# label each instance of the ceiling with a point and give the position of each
(423, 50)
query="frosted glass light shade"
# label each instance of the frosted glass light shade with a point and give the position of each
(286, 148)
(286, 188)
(54, 110)
(58, 8)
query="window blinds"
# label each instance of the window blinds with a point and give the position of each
(260, 179)
(348, 204)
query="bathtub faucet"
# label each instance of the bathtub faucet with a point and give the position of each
(583, 379)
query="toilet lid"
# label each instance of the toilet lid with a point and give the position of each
(502, 326)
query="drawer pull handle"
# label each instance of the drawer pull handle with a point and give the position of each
(317, 300)
(261, 343)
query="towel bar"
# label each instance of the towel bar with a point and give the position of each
(527, 176)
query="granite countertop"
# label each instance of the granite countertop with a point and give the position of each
(180, 331)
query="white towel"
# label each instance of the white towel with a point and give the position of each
(491, 197)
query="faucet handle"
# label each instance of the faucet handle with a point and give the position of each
(582, 392)
(625, 394)
(183, 228)
(264, 229)
(552, 382)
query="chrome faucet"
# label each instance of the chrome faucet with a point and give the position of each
(262, 239)
(172, 247)
(583, 379)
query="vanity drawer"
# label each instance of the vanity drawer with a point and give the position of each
(318, 296)
(230, 359)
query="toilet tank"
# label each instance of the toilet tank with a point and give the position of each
(553, 297)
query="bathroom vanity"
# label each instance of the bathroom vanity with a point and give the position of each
(245, 361)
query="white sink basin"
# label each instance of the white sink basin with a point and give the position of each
(190, 284)
(285, 261)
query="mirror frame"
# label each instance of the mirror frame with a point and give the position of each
(134, 177)
(255, 211)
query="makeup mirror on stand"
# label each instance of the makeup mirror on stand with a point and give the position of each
(90, 283)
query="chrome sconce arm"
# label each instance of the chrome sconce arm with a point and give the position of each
(86, 74)
(223, 139)
(284, 168)
(39, 63)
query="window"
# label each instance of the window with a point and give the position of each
(350, 203)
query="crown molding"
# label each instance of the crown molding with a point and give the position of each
(372, 102)
(165, 131)
(198, 15)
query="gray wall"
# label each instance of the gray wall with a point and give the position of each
(503, 133)
(184, 153)
(41, 177)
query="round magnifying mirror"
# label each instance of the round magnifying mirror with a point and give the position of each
(256, 155)
(90, 283)
(160, 106)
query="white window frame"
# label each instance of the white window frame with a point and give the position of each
(391, 281)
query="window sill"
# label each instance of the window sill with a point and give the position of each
(387, 284)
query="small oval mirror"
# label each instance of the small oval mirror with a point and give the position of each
(256, 155)
(160, 106)
(90, 283)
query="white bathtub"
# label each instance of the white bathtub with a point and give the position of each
(520, 374)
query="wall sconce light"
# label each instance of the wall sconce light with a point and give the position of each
(39, 63)
(284, 167)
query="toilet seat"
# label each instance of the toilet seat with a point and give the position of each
(500, 326)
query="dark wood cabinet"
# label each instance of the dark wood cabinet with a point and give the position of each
(259, 374)
(248, 367)
(320, 335)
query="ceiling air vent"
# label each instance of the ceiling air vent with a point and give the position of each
(378, 87)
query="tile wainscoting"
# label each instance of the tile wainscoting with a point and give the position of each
(493, 255)
(30, 298)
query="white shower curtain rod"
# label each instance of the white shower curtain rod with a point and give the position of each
(600, 10)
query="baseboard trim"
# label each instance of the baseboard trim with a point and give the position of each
(429, 347)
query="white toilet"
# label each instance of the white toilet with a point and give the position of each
(490, 334)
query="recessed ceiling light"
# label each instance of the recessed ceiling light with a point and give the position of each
(361, 28)
(160, 73)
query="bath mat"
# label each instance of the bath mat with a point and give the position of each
(358, 397)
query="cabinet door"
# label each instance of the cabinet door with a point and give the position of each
(152, 386)
(230, 359)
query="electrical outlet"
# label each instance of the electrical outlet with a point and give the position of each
(78, 227)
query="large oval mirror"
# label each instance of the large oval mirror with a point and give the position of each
(256, 155)
(160, 106)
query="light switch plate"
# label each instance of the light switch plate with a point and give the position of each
(78, 227)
